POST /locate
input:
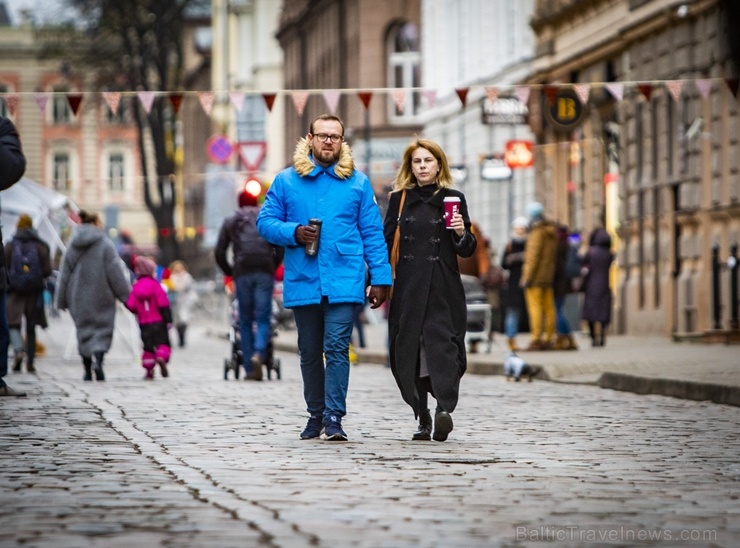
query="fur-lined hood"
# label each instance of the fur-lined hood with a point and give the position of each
(303, 162)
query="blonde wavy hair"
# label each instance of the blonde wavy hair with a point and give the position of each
(405, 178)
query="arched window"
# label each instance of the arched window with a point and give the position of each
(404, 70)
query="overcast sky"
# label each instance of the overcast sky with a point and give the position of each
(43, 10)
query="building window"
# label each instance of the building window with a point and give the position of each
(404, 70)
(250, 122)
(61, 113)
(116, 171)
(61, 171)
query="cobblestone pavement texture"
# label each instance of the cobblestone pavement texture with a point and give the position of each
(194, 460)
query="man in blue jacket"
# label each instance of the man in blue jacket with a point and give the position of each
(323, 288)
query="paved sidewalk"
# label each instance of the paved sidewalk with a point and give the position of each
(643, 365)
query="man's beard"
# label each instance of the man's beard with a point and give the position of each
(326, 156)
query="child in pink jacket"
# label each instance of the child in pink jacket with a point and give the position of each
(152, 308)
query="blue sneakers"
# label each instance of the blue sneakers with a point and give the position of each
(313, 428)
(333, 429)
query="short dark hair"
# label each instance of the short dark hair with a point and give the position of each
(327, 118)
(88, 218)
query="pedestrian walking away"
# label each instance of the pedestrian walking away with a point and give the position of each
(567, 268)
(427, 316)
(325, 270)
(183, 298)
(91, 279)
(28, 263)
(515, 307)
(538, 276)
(253, 269)
(597, 297)
(149, 303)
(12, 167)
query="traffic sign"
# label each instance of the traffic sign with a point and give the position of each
(219, 149)
(252, 154)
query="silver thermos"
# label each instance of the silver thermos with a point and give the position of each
(313, 247)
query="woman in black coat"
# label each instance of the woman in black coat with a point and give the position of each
(597, 300)
(427, 316)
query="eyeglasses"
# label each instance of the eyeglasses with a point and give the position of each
(324, 137)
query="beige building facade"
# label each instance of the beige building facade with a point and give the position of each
(660, 171)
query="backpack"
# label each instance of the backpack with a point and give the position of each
(248, 244)
(572, 263)
(25, 272)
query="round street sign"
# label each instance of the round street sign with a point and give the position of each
(219, 149)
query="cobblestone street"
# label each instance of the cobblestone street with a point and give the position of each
(195, 460)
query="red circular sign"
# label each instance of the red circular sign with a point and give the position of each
(219, 149)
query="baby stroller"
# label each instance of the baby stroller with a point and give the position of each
(479, 313)
(235, 362)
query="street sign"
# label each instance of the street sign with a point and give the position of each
(219, 149)
(504, 110)
(252, 154)
(519, 154)
(494, 168)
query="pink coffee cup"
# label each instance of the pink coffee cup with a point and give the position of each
(452, 206)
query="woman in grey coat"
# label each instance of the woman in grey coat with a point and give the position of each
(91, 278)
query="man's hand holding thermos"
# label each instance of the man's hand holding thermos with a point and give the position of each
(308, 235)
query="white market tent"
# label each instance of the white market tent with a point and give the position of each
(47, 207)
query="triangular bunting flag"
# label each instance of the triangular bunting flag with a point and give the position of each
(462, 94)
(583, 91)
(704, 85)
(646, 90)
(674, 88)
(732, 83)
(206, 101)
(399, 96)
(147, 100)
(300, 98)
(365, 97)
(74, 100)
(11, 101)
(176, 100)
(431, 96)
(41, 99)
(331, 96)
(113, 99)
(269, 100)
(492, 94)
(522, 93)
(616, 89)
(551, 92)
(237, 99)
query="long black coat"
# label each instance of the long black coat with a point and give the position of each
(428, 296)
(597, 300)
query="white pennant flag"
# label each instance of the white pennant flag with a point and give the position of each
(206, 101)
(237, 99)
(41, 99)
(399, 97)
(113, 99)
(300, 98)
(147, 100)
(522, 93)
(431, 96)
(704, 85)
(616, 89)
(674, 88)
(583, 91)
(331, 96)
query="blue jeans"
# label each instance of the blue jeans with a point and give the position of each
(254, 295)
(562, 327)
(324, 330)
(4, 334)
(511, 323)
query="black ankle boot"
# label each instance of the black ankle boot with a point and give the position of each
(87, 364)
(98, 369)
(424, 433)
(442, 425)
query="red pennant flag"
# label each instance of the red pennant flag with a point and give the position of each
(269, 100)
(732, 83)
(365, 97)
(462, 93)
(646, 90)
(551, 92)
(176, 100)
(74, 100)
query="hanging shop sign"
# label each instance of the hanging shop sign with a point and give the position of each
(564, 111)
(504, 110)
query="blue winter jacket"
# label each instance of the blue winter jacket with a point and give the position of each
(351, 233)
